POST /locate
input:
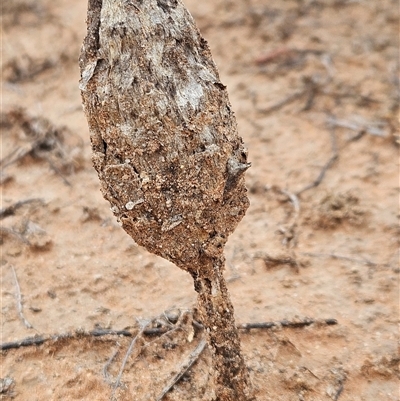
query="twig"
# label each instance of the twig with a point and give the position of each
(347, 258)
(326, 167)
(295, 202)
(106, 332)
(338, 392)
(341, 378)
(26, 68)
(309, 370)
(26, 342)
(125, 360)
(287, 324)
(272, 261)
(289, 231)
(58, 171)
(312, 89)
(275, 55)
(288, 99)
(15, 155)
(107, 365)
(282, 323)
(19, 300)
(39, 340)
(12, 209)
(286, 55)
(351, 93)
(156, 331)
(360, 125)
(183, 369)
(43, 141)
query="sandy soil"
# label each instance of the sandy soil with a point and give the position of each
(314, 85)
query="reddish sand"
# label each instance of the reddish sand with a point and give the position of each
(314, 85)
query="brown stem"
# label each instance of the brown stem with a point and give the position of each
(231, 377)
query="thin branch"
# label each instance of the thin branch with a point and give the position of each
(183, 369)
(347, 258)
(360, 125)
(19, 300)
(12, 209)
(125, 360)
(58, 171)
(295, 202)
(272, 261)
(287, 324)
(26, 342)
(326, 167)
(43, 141)
(338, 392)
(39, 340)
(341, 378)
(290, 235)
(156, 331)
(282, 323)
(106, 332)
(312, 89)
(279, 104)
(106, 375)
(286, 55)
(14, 156)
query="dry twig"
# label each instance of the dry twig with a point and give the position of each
(280, 103)
(25, 68)
(287, 324)
(125, 360)
(340, 378)
(12, 209)
(339, 392)
(360, 125)
(311, 87)
(183, 368)
(19, 300)
(39, 340)
(347, 258)
(45, 141)
(285, 54)
(26, 342)
(272, 261)
(106, 375)
(326, 167)
(289, 231)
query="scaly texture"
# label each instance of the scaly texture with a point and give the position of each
(167, 151)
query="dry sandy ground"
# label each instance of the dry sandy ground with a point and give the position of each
(315, 88)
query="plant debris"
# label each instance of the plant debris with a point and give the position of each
(37, 137)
